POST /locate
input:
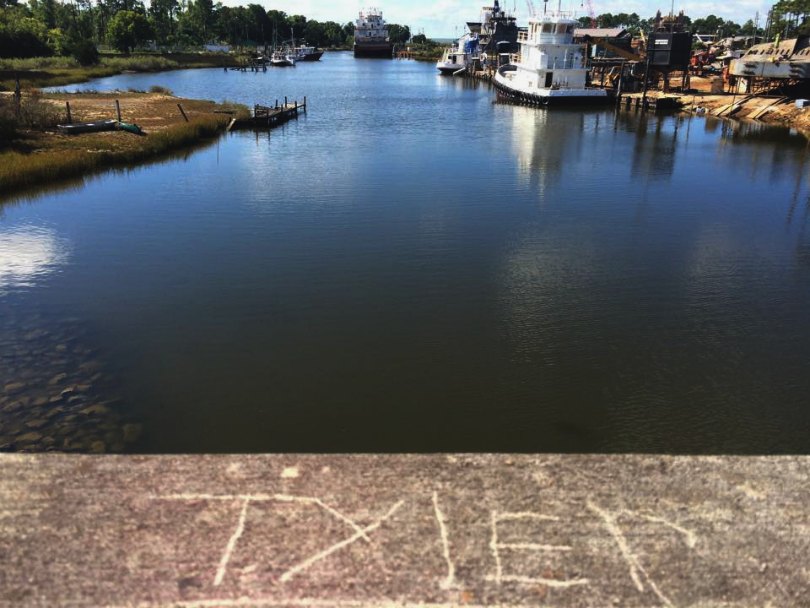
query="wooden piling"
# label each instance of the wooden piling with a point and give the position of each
(17, 96)
(69, 117)
(118, 110)
(179, 107)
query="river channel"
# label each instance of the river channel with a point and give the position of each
(413, 267)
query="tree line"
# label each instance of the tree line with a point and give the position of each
(78, 27)
(787, 18)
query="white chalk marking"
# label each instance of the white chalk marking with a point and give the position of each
(275, 602)
(495, 547)
(691, 537)
(449, 582)
(526, 515)
(548, 582)
(337, 547)
(533, 547)
(266, 498)
(226, 556)
(635, 565)
(334, 512)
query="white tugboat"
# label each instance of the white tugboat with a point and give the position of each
(550, 68)
(371, 35)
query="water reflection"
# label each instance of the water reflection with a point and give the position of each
(542, 140)
(27, 255)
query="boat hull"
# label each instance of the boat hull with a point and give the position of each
(549, 97)
(379, 50)
(316, 56)
(449, 70)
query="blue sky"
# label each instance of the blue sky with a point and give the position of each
(442, 18)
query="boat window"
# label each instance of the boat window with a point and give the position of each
(548, 28)
(561, 28)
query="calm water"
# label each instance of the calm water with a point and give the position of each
(414, 267)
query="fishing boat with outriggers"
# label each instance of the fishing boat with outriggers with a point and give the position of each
(282, 59)
(550, 69)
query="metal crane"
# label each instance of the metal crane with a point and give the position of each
(530, 4)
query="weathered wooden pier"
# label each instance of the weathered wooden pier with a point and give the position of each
(269, 117)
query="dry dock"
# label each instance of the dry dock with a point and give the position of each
(436, 530)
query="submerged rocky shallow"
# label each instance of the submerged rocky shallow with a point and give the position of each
(56, 393)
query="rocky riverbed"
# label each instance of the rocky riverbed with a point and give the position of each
(56, 393)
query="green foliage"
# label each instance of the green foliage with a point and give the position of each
(398, 33)
(127, 30)
(22, 35)
(84, 52)
(420, 39)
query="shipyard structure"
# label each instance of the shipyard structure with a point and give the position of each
(371, 35)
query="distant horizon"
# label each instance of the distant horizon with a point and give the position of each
(446, 19)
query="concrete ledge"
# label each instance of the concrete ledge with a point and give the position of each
(438, 530)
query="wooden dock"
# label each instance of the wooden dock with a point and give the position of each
(269, 117)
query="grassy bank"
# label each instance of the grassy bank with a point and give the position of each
(37, 157)
(57, 71)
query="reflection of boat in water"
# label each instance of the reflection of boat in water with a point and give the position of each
(371, 35)
(550, 68)
(460, 57)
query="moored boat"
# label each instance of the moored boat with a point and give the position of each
(371, 35)
(281, 59)
(459, 58)
(550, 68)
(308, 53)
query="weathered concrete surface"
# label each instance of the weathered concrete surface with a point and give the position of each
(351, 531)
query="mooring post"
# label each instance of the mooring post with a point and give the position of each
(17, 96)
(285, 102)
(179, 107)
(118, 110)
(69, 118)
(305, 103)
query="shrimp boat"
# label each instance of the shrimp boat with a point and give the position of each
(282, 59)
(550, 68)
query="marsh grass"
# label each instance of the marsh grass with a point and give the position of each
(57, 71)
(20, 170)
